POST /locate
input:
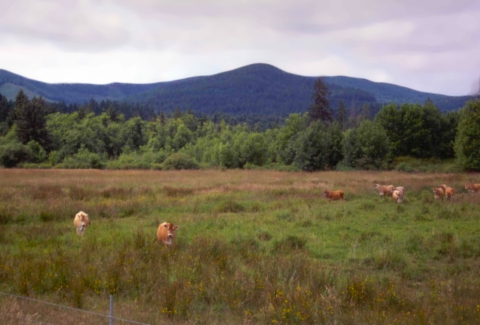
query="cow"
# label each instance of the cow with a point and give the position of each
(400, 189)
(472, 188)
(384, 189)
(166, 233)
(397, 196)
(438, 193)
(81, 222)
(449, 192)
(334, 195)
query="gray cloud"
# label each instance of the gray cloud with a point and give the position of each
(427, 45)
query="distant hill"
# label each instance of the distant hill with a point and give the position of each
(254, 89)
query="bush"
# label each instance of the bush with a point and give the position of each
(38, 153)
(84, 159)
(404, 167)
(179, 161)
(14, 153)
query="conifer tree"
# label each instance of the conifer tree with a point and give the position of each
(342, 115)
(30, 120)
(320, 110)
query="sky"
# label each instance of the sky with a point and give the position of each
(427, 45)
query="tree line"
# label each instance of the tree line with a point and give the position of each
(34, 132)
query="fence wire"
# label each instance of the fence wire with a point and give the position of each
(23, 312)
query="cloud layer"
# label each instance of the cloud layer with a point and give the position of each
(426, 45)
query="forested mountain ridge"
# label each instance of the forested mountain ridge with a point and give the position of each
(254, 89)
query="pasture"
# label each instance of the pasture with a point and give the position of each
(253, 247)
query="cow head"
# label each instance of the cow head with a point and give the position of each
(85, 220)
(325, 193)
(170, 229)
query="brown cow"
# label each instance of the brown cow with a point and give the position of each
(449, 192)
(472, 188)
(384, 189)
(81, 222)
(401, 189)
(333, 195)
(438, 193)
(397, 196)
(166, 233)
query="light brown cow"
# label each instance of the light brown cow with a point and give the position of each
(397, 196)
(166, 233)
(334, 195)
(472, 188)
(401, 189)
(384, 189)
(449, 192)
(81, 222)
(438, 193)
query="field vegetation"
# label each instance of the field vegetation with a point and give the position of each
(253, 247)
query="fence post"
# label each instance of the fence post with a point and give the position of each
(111, 310)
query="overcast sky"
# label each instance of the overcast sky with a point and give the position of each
(427, 45)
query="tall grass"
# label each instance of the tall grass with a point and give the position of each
(253, 246)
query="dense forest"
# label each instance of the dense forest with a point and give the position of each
(109, 134)
(256, 89)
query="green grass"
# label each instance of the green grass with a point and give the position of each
(253, 247)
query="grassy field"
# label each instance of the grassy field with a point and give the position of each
(253, 247)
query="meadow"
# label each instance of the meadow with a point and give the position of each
(253, 247)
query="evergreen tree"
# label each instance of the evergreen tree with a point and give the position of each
(4, 108)
(320, 110)
(366, 112)
(30, 119)
(342, 115)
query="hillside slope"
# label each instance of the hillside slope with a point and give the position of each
(254, 89)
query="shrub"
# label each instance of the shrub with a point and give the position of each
(84, 158)
(179, 161)
(14, 153)
(404, 167)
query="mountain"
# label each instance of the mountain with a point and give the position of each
(254, 89)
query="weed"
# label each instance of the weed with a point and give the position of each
(229, 206)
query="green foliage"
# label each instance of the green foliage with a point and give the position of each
(12, 151)
(467, 142)
(84, 158)
(38, 153)
(119, 143)
(179, 161)
(418, 131)
(366, 147)
(30, 119)
(311, 148)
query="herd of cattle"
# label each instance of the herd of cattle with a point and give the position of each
(398, 193)
(166, 230)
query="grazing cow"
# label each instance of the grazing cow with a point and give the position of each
(397, 196)
(449, 192)
(384, 189)
(166, 233)
(334, 195)
(472, 188)
(438, 193)
(81, 222)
